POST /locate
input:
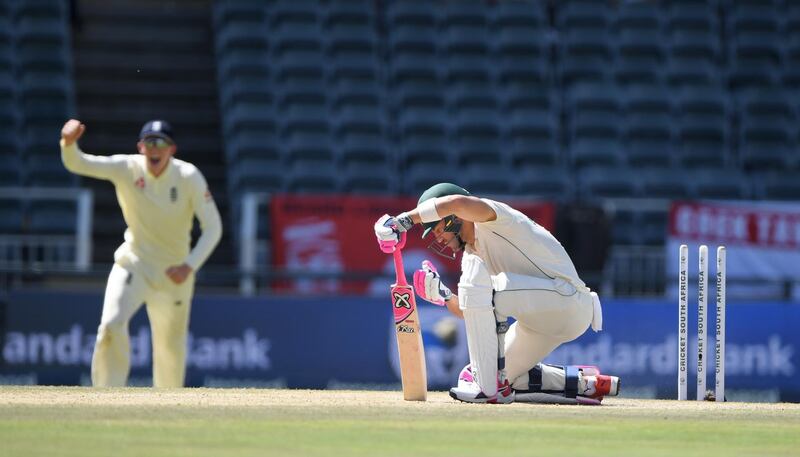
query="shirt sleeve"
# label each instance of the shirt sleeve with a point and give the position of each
(210, 222)
(112, 168)
(504, 216)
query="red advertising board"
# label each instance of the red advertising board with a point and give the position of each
(327, 243)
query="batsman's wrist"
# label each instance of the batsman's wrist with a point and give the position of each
(404, 222)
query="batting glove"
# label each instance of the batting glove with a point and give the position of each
(429, 285)
(387, 233)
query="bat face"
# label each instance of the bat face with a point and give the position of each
(403, 303)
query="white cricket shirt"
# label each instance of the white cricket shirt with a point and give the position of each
(513, 243)
(159, 211)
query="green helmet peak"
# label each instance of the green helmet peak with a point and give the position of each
(439, 190)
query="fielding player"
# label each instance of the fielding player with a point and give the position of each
(510, 267)
(159, 196)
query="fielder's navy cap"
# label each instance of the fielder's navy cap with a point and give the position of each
(157, 128)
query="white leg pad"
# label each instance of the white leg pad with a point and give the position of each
(483, 346)
(475, 300)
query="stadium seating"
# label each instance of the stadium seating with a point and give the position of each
(572, 99)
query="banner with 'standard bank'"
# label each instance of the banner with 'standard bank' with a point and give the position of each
(347, 342)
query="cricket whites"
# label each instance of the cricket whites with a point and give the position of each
(407, 329)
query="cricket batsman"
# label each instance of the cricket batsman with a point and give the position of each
(510, 267)
(159, 196)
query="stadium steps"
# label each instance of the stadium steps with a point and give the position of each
(137, 60)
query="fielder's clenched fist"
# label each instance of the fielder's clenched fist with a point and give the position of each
(72, 130)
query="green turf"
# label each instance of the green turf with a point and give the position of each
(260, 423)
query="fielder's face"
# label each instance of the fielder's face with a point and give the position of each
(158, 152)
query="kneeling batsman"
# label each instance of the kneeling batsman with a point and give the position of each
(510, 267)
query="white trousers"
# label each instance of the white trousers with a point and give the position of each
(168, 310)
(548, 313)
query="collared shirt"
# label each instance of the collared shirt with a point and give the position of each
(158, 211)
(513, 243)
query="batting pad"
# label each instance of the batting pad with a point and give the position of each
(482, 345)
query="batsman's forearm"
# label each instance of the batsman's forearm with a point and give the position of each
(452, 306)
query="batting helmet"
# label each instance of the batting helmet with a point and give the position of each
(440, 190)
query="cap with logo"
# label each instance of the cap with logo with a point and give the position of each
(158, 129)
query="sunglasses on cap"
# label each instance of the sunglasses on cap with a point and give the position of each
(156, 142)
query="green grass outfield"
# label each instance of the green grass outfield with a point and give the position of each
(82, 422)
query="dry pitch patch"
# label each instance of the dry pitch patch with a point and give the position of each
(344, 401)
(86, 422)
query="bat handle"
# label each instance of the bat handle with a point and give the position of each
(398, 265)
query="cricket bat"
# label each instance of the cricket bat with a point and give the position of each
(407, 330)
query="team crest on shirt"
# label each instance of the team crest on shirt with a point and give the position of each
(173, 194)
(139, 183)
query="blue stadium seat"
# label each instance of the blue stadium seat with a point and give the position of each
(488, 179)
(647, 99)
(413, 39)
(354, 68)
(699, 17)
(345, 39)
(607, 182)
(540, 97)
(365, 149)
(767, 103)
(638, 15)
(584, 15)
(243, 65)
(289, 12)
(293, 37)
(253, 116)
(358, 93)
(550, 182)
(521, 42)
(513, 71)
(365, 178)
(471, 95)
(718, 184)
(703, 99)
(250, 36)
(359, 120)
(413, 68)
(257, 144)
(312, 176)
(466, 12)
(648, 140)
(412, 12)
(690, 72)
(423, 175)
(536, 150)
(354, 12)
(225, 14)
(670, 183)
(596, 98)
(776, 185)
(465, 40)
(430, 150)
(530, 14)
(703, 140)
(306, 117)
(313, 146)
(428, 120)
(417, 93)
(255, 174)
(292, 92)
(300, 65)
(42, 171)
(702, 46)
(766, 143)
(461, 69)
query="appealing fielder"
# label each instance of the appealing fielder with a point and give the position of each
(510, 267)
(159, 196)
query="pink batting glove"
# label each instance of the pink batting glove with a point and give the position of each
(428, 285)
(387, 234)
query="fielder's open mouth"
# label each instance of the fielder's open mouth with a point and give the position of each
(154, 160)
